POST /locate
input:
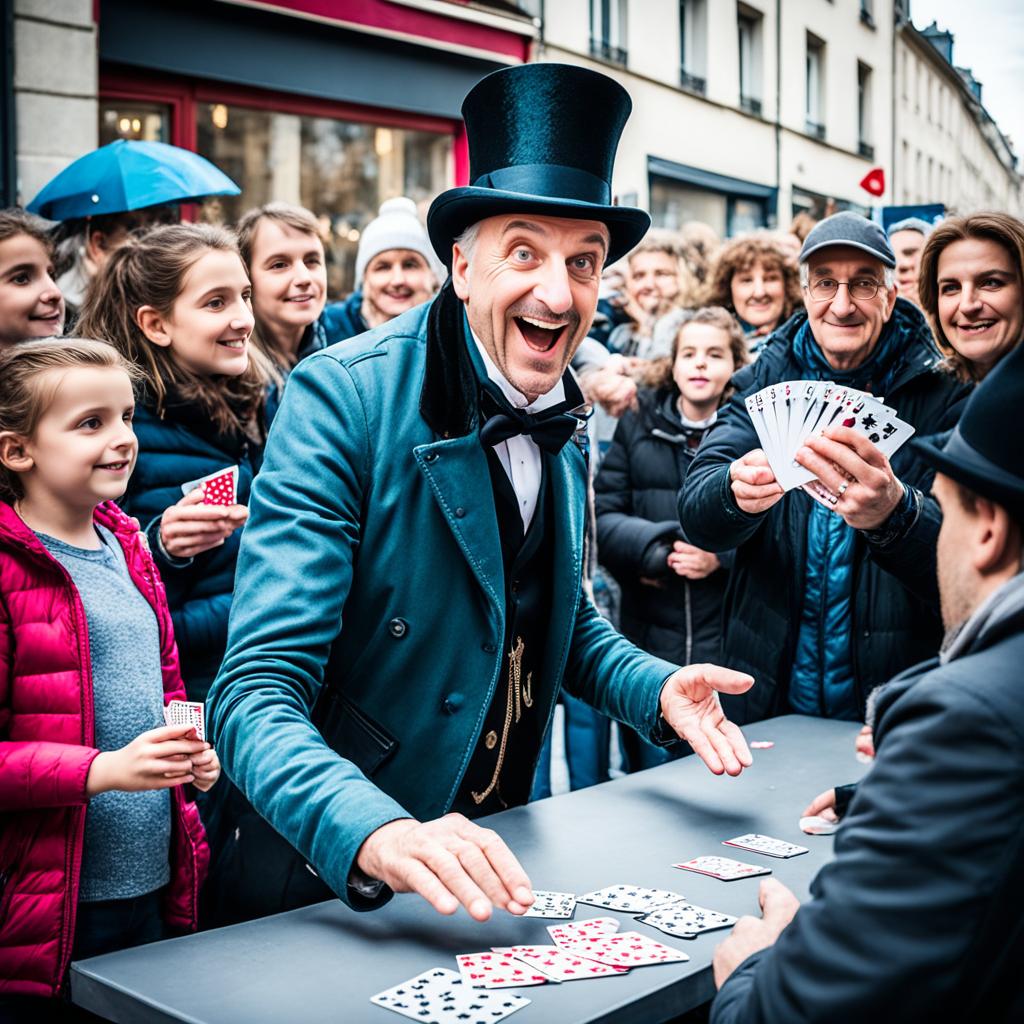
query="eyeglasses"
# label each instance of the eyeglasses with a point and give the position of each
(823, 288)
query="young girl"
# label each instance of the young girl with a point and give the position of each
(672, 592)
(175, 302)
(99, 848)
(31, 305)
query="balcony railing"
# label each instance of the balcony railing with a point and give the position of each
(692, 83)
(866, 150)
(750, 105)
(603, 49)
(815, 130)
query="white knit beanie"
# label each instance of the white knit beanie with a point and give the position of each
(397, 227)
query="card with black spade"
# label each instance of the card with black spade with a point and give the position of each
(440, 995)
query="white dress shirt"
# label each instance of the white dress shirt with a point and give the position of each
(520, 456)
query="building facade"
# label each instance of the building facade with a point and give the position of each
(948, 149)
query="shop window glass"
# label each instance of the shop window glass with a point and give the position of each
(149, 122)
(341, 170)
(673, 204)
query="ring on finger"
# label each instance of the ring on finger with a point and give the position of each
(842, 489)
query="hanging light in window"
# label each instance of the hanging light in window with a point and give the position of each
(219, 115)
(124, 125)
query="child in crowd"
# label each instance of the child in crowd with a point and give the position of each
(671, 591)
(284, 255)
(176, 303)
(31, 305)
(100, 848)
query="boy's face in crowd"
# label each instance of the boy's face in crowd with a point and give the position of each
(209, 326)
(31, 305)
(907, 247)
(653, 280)
(396, 280)
(980, 300)
(847, 329)
(530, 291)
(759, 294)
(289, 277)
(703, 365)
(83, 449)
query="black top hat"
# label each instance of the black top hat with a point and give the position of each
(984, 452)
(542, 139)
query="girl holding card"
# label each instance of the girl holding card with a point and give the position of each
(100, 849)
(176, 303)
(31, 305)
(671, 591)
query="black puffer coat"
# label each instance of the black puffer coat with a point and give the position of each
(636, 492)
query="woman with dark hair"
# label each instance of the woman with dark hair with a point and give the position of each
(753, 278)
(972, 290)
(671, 591)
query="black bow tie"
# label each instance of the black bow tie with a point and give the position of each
(500, 420)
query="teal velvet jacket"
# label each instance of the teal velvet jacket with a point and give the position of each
(365, 641)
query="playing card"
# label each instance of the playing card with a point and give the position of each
(187, 712)
(757, 407)
(882, 427)
(628, 949)
(723, 868)
(563, 964)
(630, 899)
(815, 825)
(552, 904)
(497, 970)
(218, 488)
(686, 920)
(440, 995)
(765, 844)
(565, 935)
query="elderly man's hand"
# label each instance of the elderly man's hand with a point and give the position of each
(778, 908)
(857, 477)
(690, 705)
(754, 486)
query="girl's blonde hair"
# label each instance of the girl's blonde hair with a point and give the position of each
(150, 270)
(992, 226)
(26, 391)
(298, 218)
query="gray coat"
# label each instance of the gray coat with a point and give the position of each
(921, 915)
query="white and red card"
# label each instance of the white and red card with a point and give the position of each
(723, 868)
(628, 949)
(220, 488)
(565, 935)
(187, 712)
(497, 970)
(563, 964)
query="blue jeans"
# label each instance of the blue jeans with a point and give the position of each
(586, 749)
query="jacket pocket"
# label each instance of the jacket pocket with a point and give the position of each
(355, 735)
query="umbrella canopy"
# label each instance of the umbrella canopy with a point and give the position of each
(127, 175)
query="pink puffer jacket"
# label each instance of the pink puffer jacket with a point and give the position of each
(46, 736)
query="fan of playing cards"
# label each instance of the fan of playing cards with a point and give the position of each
(785, 415)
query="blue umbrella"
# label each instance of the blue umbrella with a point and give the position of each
(127, 175)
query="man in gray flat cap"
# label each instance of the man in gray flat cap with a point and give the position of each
(829, 598)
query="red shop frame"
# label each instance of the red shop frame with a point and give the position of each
(183, 96)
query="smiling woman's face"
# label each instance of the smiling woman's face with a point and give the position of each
(31, 305)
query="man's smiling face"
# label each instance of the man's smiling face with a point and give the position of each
(530, 284)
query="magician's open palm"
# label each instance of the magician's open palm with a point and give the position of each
(690, 705)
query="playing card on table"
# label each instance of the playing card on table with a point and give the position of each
(630, 899)
(628, 949)
(187, 712)
(815, 825)
(766, 845)
(497, 970)
(723, 868)
(686, 920)
(552, 904)
(565, 935)
(562, 964)
(440, 995)
(218, 488)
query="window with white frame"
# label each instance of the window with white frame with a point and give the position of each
(749, 32)
(693, 45)
(815, 87)
(864, 146)
(608, 30)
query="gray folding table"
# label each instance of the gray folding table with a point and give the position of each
(321, 964)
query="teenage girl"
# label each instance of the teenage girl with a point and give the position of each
(100, 848)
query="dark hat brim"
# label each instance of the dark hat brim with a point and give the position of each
(455, 210)
(968, 467)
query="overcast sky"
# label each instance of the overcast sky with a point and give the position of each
(988, 37)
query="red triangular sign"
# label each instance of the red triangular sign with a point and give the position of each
(874, 181)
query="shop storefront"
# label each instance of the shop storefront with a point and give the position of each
(298, 106)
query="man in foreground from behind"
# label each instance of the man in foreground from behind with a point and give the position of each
(919, 917)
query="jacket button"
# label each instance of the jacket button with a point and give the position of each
(453, 702)
(398, 628)
(488, 648)
(491, 740)
(431, 457)
(460, 512)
